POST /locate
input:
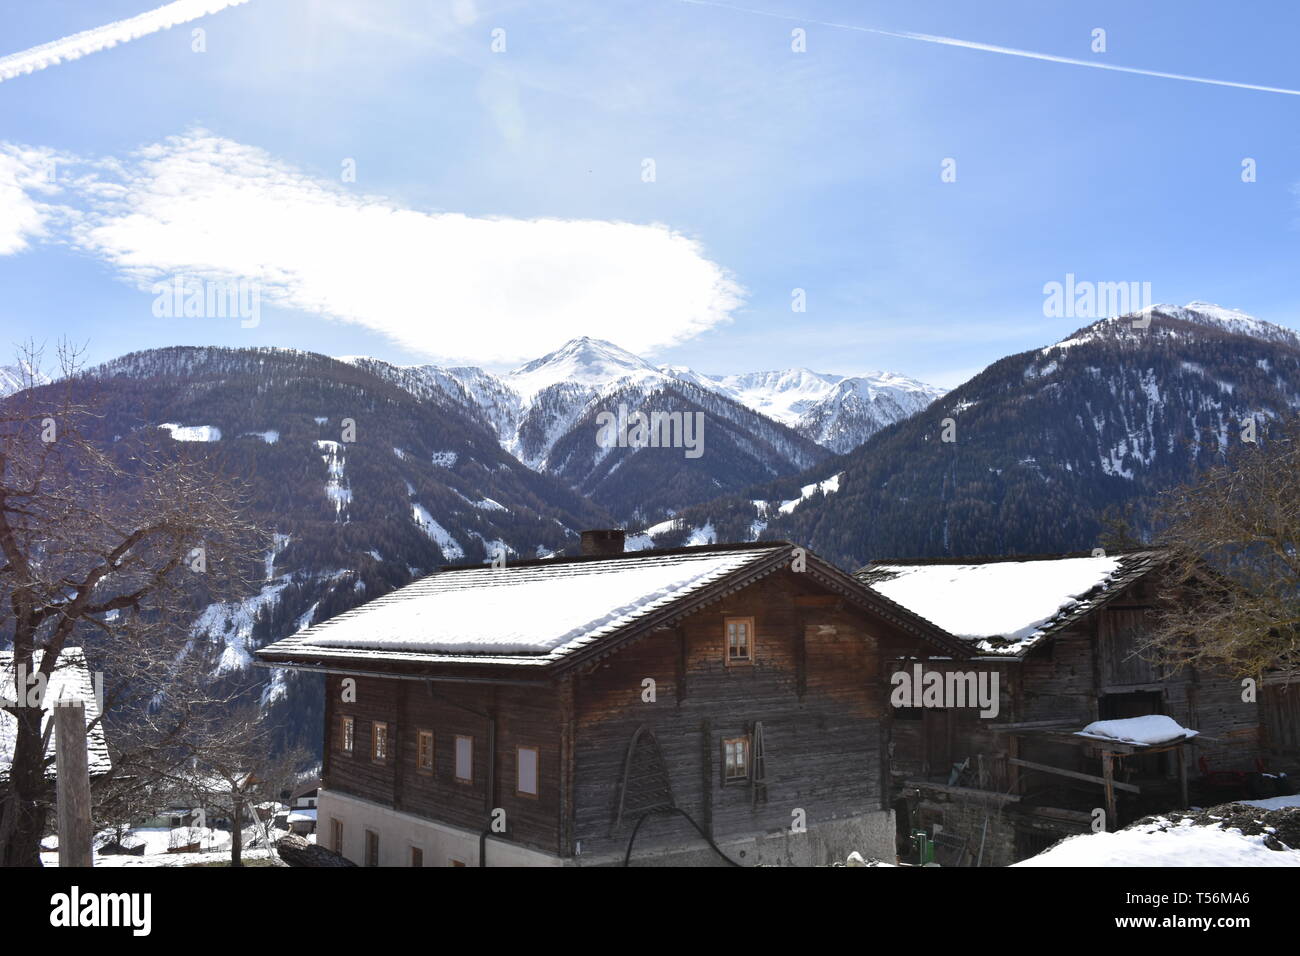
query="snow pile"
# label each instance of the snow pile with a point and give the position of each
(1233, 834)
(536, 610)
(192, 432)
(993, 603)
(1148, 730)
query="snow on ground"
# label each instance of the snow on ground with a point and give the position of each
(444, 459)
(270, 436)
(450, 547)
(192, 432)
(827, 487)
(1151, 729)
(338, 492)
(1274, 803)
(702, 536)
(1164, 844)
(158, 840)
(232, 623)
(1011, 600)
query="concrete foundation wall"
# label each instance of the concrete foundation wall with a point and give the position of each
(871, 834)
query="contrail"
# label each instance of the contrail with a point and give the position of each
(993, 48)
(101, 38)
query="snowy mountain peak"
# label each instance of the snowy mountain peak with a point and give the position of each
(1230, 320)
(581, 361)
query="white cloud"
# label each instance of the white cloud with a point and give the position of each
(101, 38)
(449, 286)
(24, 172)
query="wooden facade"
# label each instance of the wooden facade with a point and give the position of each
(1029, 779)
(635, 741)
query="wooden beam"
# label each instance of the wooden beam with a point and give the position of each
(72, 769)
(1108, 773)
(1076, 775)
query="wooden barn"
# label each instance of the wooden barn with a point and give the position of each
(697, 705)
(1062, 633)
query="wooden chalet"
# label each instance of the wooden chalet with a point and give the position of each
(697, 705)
(1063, 633)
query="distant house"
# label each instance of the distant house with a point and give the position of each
(1064, 635)
(689, 705)
(70, 680)
(304, 795)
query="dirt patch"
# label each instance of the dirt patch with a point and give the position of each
(1280, 828)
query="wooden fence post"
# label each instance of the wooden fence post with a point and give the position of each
(72, 766)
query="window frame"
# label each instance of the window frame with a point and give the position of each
(372, 844)
(375, 727)
(747, 741)
(416, 859)
(748, 659)
(455, 768)
(336, 834)
(420, 737)
(537, 772)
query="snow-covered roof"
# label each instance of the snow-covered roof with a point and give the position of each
(69, 681)
(540, 612)
(1005, 606)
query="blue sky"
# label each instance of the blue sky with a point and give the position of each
(499, 205)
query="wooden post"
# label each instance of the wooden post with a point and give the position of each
(1182, 773)
(1108, 775)
(72, 767)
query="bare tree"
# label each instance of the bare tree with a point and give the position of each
(1232, 590)
(111, 541)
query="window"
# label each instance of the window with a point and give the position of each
(735, 759)
(464, 759)
(372, 848)
(379, 741)
(424, 751)
(417, 856)
(348, 734)
(740, 640)
(336, 834)
(526, 771)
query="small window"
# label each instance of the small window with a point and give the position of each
(348, 735)
(379, 742)
(336, 834)
(526, 771)
(735, 759)
(417, 856)
(740, 640)
(465, 759)
(424, 751)
(372, 848)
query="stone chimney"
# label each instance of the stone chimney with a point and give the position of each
(603, 541)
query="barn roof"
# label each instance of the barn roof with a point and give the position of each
(70, 680)
(1006, 606)
(547, 613)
